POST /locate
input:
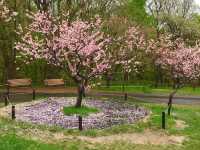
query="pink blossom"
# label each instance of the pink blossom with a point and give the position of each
(183, 61)
(78, 46)
(128, 44)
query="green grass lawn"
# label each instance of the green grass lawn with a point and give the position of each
(16, 135)
(82, 111)
(149, 90)
(13, 142)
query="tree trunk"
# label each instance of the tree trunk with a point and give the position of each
(171, 96)
(108, 79)
(194, 85)
(176, 83)
(107, 82)
(80, 95)
(158, 76)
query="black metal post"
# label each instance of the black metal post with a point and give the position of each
(169, 109)
(6, 100)
(124, 85)
(8, 91)
(80, 122)
(125, 96)
(163, 121)
(13, 112)
(34, 94)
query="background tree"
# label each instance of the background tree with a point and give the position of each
(173, 16)
(8, 24)
(180, 61)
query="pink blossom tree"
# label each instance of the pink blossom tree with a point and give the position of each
(126, 51)
(78, 46)
(130, 44)
(181, 61)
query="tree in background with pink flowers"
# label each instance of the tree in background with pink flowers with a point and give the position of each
(180, 60)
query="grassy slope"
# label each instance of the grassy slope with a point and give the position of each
(13, 142)
(148, 90)
(189, 114)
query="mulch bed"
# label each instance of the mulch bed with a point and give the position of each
(50, 112)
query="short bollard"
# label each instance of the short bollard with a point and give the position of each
(163, 120)
(6, 100)
(125, 96)
(13, 112)
(80, 122)
(33, 94)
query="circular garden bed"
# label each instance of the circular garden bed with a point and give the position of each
(51, 111)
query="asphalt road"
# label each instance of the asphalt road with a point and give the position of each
(186, 100)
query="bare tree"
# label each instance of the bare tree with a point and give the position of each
(161, 10)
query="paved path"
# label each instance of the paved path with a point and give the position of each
(72, 91)
(192, 100)
(164, 99)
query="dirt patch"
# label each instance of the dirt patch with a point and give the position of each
(147, 118)
(148, 137)
(36, 134)
(180, 124)
(5, 112)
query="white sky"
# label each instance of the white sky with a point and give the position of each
(198, 2)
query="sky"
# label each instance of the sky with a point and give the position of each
(198, 2)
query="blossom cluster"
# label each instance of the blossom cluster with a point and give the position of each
(78, 46)
(130, 43)
(183, 61)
